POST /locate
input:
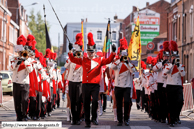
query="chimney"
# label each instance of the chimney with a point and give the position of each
(147, 4)
(134, 9)
(86, 20)
(115, 17)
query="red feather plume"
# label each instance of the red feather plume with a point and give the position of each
(154, 61)
(48, 51)
(79, 40)
(166, 46)
(90, 39)
(37, 54)
(149, 60)
(21, 40)
(123, 44)
(173, 46)
(118, 51)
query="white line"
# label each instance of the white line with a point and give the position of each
(179, 128)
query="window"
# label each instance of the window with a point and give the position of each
(11, 34)
(99, 35)
(191, 21)
(179, 28)
(75, 32)
(4, 75)
(3, 30)
(15, 36)
(114, 35)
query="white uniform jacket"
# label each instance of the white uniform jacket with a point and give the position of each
(173, 73)
(122, 74)
(75, 71)
(159, 68)
(137, 83)
(21, 72)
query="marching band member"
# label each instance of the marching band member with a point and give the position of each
(21, 69)
(91, 77)
(75, 81)
(164, 58)
(174, 73)
(60, 86)
(123, 83)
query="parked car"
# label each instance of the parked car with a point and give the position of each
(7, 84)
(62, 70)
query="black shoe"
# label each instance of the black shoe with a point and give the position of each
(38, 118)
(34, 118)
(88, 125)
(127, 123)
(73, 123)
(95, 122)
(25, 119)
(42, 117)
(28, 118)
(49, 114)
(58, 106)
(54, 107)
(104, 110)
(119, 123)
(18, 119)
(171, 125)
(179, 122)
(78, 122)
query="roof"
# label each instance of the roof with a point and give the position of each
(163, 35)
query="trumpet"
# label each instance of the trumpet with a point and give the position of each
(125, 58)
(24, 54)
(78, 54)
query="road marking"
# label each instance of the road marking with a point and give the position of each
(140, 127)
(179, 128)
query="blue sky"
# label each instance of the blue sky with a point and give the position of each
(75, 10)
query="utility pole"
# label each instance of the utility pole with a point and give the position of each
(183, 15)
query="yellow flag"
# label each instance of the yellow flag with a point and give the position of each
(134, 49)
(82, 30)
(52, 49)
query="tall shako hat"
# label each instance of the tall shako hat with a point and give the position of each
(47, 55)
(123, 46)
(91, 46)
(79, 42)
(166, 49)
(174, 49)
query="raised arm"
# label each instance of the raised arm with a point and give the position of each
(109, 59)
(75, 60)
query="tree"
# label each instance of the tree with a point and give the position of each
(37, 27)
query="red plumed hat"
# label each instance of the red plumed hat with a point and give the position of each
(51, 55)
(149, 60)
(90, 39)
(21, 40)
(85, 54)
(173, 46)
(166, 46)
(54, 56)
(41, 57)
(33, 44)
(154, 61)
(41, 54)
(123, 44)
(79, 40)
(48, 51)
(160, 55)
(91, 46)
(30, 39)
(37, 54)
(143, 65)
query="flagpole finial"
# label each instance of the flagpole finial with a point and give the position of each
(44, 13)
(137, 10)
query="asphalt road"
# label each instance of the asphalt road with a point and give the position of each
(138, 119)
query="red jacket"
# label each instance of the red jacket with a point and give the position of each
(91, 68)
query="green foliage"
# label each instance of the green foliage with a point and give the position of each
(55, 48)
(37, 27)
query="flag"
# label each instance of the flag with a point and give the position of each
(82, 30)
(107, 42)
(48, 42)
(134, 49)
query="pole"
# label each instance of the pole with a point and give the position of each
(182, 27)
(58, 48)
(44, 13)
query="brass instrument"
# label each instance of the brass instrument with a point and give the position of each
(125, 58)
(24, 54)
(177, 61)
(78, 54)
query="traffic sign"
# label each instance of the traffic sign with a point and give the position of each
(150, 46)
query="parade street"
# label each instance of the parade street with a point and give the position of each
(138, 119)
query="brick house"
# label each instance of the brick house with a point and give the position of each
(158, 7)
(9, 32)
(180, 29)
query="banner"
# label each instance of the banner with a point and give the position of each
(82, 31)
